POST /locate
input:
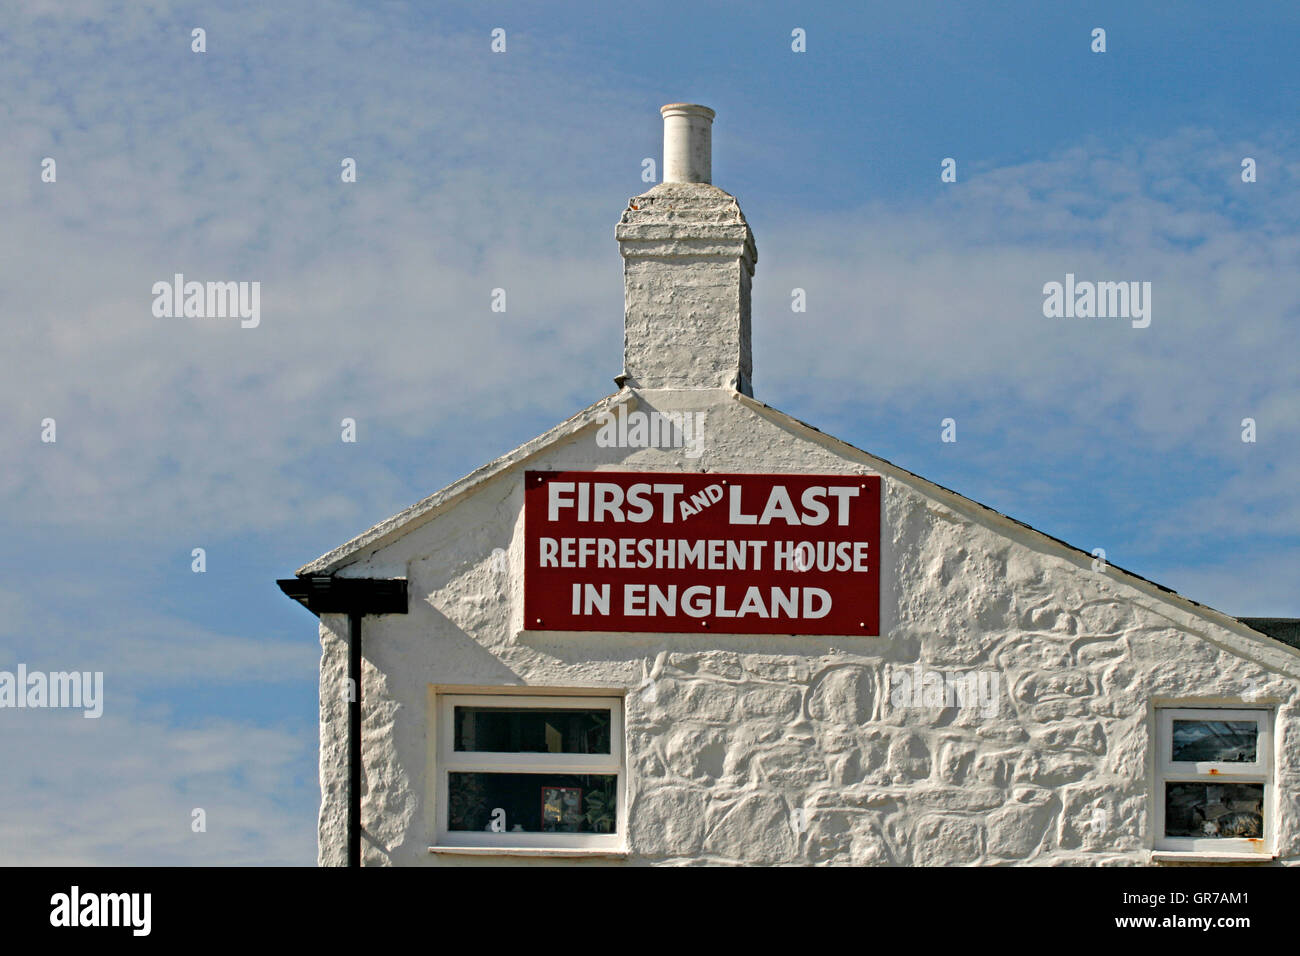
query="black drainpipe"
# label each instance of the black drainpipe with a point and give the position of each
(354, 739)
(355, 597)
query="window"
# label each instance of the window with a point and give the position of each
(1214, 784)
(530, 772)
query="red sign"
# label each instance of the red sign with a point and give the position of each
(689, 553)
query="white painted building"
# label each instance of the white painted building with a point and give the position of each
(1014, 699)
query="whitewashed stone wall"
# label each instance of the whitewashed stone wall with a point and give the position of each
(729, 736)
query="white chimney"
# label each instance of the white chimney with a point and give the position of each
(688, 259)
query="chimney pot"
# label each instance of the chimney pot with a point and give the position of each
(688, 143)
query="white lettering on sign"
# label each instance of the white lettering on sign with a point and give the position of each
(609, 500)
(601, 501)
(641, 600)
(714, 554)
(779, 505)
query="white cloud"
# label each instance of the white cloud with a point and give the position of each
(121, 789)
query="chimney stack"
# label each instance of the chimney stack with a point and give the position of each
(688, 260)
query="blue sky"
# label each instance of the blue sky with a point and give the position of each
(479, 170)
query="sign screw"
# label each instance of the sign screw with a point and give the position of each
(704, 623)
(539, 620)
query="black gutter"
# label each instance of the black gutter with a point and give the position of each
(355, 597)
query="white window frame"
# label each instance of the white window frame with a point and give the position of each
(449, 761)
(1170, 771)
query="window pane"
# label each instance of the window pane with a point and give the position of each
(532, 730)
(1214, 810)
(534, 802)
(1226, 741)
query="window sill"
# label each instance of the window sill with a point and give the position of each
(546, 851)
(1187, 856)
